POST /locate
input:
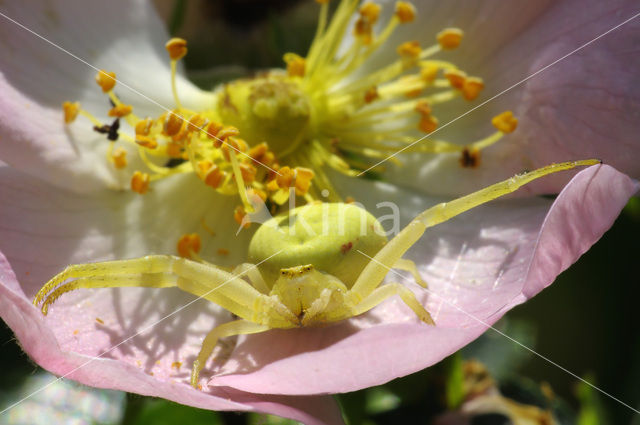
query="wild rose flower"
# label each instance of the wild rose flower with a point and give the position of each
(56, 210)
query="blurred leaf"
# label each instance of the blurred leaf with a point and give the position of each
(260, 419)
(633, 208)
(353, 406)
(177, 16)
(380, 399)
(591, 410)
(455, 381)
(43, 399)
(500, 355)
(164, 412)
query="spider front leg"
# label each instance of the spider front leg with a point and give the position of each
(155, 271)
(237, 327)
(410, 266)
(375, 271)
(388, 290)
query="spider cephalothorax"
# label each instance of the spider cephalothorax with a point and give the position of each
(318, 264)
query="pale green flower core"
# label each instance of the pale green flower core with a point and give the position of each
(283, 128)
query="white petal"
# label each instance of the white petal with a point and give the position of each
(125, 37)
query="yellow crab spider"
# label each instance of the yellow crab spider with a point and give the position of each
(310, 267)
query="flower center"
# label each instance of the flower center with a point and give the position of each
(271, 108)
(277, 134)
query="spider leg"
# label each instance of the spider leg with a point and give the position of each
(410, 266)
(254, 275)
(162, 271)
(379, 266)
(237, 327)
(388, 290)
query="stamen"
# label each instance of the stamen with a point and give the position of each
(144, 127)
(472, 87)
(456, 78)
(140, 182)
(70, 110)
(238, 215)
(173, 123)
(106, 80)
(177, 48)
(188, 245)
(450, 38)
(505, 122)
(295, 65)
(119, 158)
(325, 110)
(120, 111)
(146, 142)
(409, 52)
(405, 12)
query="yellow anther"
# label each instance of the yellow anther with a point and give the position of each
(215, 177)
(181, 136)
(203, 168)
(248, 173)
(223, 252)
(272, 185)
(140, 182)
(409, 50)
(71, 110)
(258, 151)
(253, 193)
(146, 141)
(413, 93)
(224, 134)
(300, 178)
(238, 215)
(119, 157)
(428, 124)
(428, 73)
(296, 65)
(173, 123)
(364, 31)
(423, 108)
(237, 144)
(505, 122)
(213, 129)
(450, 38)
(177, 48)
(370, 12)
(472, 87)
(196, 123)
(371, 94)
(285, 178)
(211, 174)
(456, 78)
(303, 177)
(188, 244)
(405, 12)
(143, 127)
(174, 150)
(106, 80)
(120, 111)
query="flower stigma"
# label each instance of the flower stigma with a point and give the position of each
(278, 132)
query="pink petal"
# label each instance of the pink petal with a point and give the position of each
(478, 267)
(36, 77)
(37, 339)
